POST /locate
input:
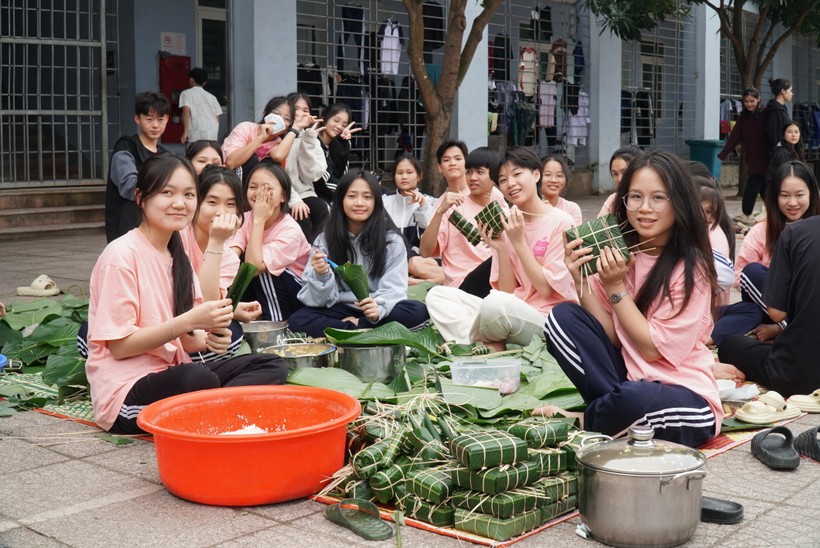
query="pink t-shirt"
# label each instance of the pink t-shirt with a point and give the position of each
(545, 237)
(131, 287)
(752, 250)
(230, 262)
(609, 205)
(458, 256)
(571, 208)
(681, 340)
(719, 242)
(243, 134)
(284, 246)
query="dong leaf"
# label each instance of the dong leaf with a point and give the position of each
(66, 367)
(56, 333)
(356, 279)
(20, 314)
(425, 340)
(26, 350)
(244, 277)
(341, 381)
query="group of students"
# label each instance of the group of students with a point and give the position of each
(635, 345)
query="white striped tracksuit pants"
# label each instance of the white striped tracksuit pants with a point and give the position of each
(582, 348)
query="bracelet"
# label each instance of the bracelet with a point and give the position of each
(295, 132)
(211, 251)
(169, 330)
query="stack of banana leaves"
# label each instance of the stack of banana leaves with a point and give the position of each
(451, 455)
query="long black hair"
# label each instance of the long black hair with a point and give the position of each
(372, 240)
(775, 220)
(152, 177)
(688, 239)
(278, 173)
(710, 191)
(214, 175)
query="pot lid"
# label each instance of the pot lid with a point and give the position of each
(640, 454)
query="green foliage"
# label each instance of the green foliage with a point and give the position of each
(356, 279)
(50, 346)
(627, 18)
(244, 277)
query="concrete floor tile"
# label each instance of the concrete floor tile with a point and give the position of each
(156, 519)
(285, 535)
(66, 437)
(290, 511)
(64, 487)
(138, 459)
(13, 449)
(22, 536)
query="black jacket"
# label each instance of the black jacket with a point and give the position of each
(776, 119)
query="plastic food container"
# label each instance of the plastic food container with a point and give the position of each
(501, 373)
(285, 442)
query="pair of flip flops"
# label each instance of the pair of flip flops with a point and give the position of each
(808, 403)
(778, 449)
(42, 286)
(767, 409)
(360, 516)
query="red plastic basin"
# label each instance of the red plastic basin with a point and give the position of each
(303, 445)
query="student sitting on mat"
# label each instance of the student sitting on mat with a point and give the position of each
(527, 274)
(635, 347)
(146, 312)
(788, 364)
(358, 231)
(790, 197)
(272, 241)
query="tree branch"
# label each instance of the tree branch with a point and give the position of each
(474, 37)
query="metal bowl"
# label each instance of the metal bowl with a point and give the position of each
(301, 353)
(372, 363)
(262, 333)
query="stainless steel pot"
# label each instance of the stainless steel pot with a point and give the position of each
(262, 333)
(638, 493)
(372, 363)
(299, 353)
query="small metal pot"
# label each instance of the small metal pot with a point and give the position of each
(638, 493)
(299, 353)
(262, 333)
(372, 363)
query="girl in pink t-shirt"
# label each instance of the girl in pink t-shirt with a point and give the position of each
(205, 240)
(272, 241)
(555, 177)
(788, 199)
(527, 273)
(146, 312)
(635, 347)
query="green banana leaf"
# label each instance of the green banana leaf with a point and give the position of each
(341, 381)
(66, 367)
(20, 315)
(425, 341)
(356, 279)
(244, 277)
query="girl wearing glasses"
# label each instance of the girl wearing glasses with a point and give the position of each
(650, 316)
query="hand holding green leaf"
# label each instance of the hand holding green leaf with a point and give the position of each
(356, 279)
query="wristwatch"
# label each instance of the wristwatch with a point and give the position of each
(294, 131)
(615, 298)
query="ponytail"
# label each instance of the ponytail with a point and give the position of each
(182, 274)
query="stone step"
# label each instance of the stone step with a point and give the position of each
(42, 231)
(44, 197)
(46, 216)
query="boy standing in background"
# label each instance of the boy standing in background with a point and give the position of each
(151, 115)
(200, 109)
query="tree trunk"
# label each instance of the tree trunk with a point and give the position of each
(439, 100)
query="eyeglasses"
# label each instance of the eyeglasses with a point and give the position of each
(657, 202)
